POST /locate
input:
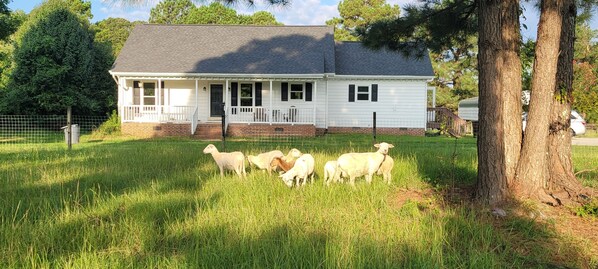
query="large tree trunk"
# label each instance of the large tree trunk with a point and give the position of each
(562, 183)
(500, 98)
(532, 169)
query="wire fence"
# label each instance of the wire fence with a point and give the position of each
(16, 130)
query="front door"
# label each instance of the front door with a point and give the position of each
(216, 100)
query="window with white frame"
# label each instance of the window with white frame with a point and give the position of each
(246, 94)
(363, 93)
(296, 92)
(149, 93)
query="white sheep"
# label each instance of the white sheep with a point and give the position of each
(386, 168)
(302, 170)
(227, 160)
(362, 164)
(263, 161)
(330, 172)
(286, 163)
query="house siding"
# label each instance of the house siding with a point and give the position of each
(401, 104)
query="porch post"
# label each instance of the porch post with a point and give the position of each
(271, 109)
(226, 100)
(196, 93)
(159, 103)
(315, 99)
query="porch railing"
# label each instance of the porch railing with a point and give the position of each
(158, 113)
(292, 115)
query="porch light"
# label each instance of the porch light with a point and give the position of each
(204, 88)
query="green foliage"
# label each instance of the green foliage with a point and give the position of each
(56, 64)
(585, 70)
(589, 209)
(359, 14)
(171, 11)
(113, 32)
(110, 127)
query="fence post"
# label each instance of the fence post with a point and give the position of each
(374, 127)
(68, 128)
(223, 126)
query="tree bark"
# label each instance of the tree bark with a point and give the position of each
(532, 169)
(562, 184)
(500, 98)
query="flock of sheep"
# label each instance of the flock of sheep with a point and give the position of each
(297, 168)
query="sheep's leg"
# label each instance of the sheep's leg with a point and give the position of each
(368, 178)
(221, 172)
(388, 178)
(352, 181)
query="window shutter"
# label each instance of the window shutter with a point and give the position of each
(284, 91)
(258, 94)
(374, 92)
(308, 91)
(136, 84)
(234, 93)
(162, 84)
(351, 93)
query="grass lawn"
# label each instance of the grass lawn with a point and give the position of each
(161, 204)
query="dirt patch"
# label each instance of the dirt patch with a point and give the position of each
(399, 198)
(583, 229)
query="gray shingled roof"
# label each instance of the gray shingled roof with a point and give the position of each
(228, 49)
(352, 58)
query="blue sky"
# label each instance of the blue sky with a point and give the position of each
(301, 12)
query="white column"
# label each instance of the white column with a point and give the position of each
(196, 94)
(315, 99)
(326, 104)
(158, 99)
(226, 104)
(271, 109)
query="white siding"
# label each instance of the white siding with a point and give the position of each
(468, 113)
(401, 103)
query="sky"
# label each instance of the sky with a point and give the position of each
(300, 12)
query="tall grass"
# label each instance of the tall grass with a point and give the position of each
(161, 203)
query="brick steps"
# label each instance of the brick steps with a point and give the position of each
(208, 131)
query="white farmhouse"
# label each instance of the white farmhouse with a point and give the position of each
(179, 80)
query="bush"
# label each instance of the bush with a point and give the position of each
(110, 127)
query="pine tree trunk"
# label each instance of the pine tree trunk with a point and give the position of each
(532, 169)
(562, 183)
(499, 101)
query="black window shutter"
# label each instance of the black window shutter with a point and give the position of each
(308, 91)
(284, 91)
(233, 93)
(162, 84)
(351, 93)
(374, 92)
(258, 94)
(135, 84)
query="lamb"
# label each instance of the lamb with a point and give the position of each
(287, 162)
(386, 169)
(264, 161)
(303, 168)
(229, 161)
(362, 164)
(330, 172)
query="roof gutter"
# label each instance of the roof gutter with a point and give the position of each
(217, 75)
(344, 77)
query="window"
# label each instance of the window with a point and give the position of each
(296, 91)
(246, 94)
(363, 93)
(149, 93)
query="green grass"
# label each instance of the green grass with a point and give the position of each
(161, 203)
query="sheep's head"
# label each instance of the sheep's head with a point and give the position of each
(251, 159)
(288, 178)
(209, 149)
(383, 147)
(275, 161)
(295, 153)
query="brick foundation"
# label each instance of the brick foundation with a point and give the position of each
(249, 130)
(385, 130)
(152, 129)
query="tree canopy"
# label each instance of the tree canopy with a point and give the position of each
(171, 11)
(55, 64)
(113, 32)
(185, 12)
(359, 14)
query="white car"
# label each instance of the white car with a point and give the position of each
(577, 124)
